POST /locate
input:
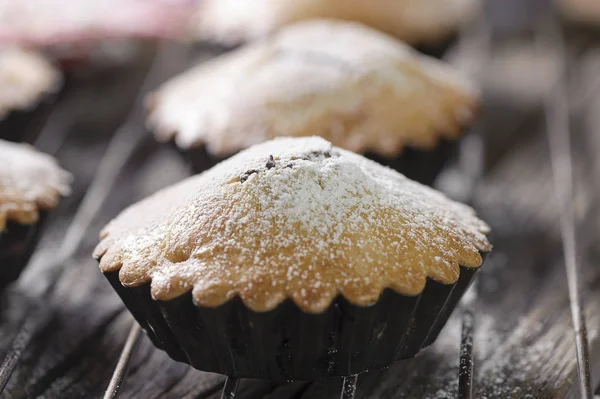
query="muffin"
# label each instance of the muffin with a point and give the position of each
(26, 78)
(293, 260)
(31, 184)
(356, 87)
(427, 23)
(37, 22)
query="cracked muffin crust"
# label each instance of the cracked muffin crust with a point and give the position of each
(292, 218)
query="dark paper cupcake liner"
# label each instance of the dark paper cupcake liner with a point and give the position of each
(286, 343)
(17, 244)
(420, 165)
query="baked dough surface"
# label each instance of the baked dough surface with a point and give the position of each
(292, 218)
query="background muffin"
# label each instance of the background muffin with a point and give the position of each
(358, 88)
(586, 12)
(292, 256)
(31, 183)
(418, 22)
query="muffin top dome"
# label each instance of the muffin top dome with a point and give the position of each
(29, 181)
(25, 77)
(414, 21)
(292, 218)
(356, 87)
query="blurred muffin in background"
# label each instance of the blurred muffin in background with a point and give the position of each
(586, 12)
(352, 85)
(47, 22)
(293, 260)
(78, 37)
(31, 184)
(26, 79)
(92, 29)
(428, 23)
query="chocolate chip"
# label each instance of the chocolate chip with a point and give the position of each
(270, 162)
(247, 174)
(316, 154)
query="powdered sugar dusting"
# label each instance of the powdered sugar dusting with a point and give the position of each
(29, 180)
(292, 218)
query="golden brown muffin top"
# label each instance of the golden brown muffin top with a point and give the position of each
(25, 77)
(292, 218)
(413, 21)
(356, 87)
(29, 181)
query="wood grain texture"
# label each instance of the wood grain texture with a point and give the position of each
(524, 345)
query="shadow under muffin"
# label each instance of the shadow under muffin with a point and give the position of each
(286, 343)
